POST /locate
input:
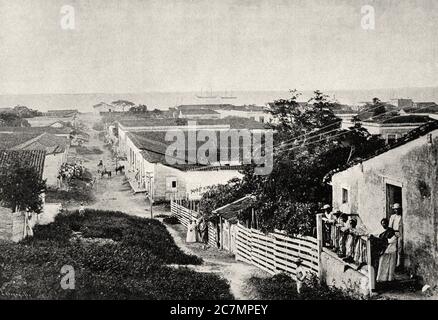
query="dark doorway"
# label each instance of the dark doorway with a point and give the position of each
(393, 195)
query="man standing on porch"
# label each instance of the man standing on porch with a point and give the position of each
(396, 223)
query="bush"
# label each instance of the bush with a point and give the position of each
(171, 220)
(132, 267)
(283, 287)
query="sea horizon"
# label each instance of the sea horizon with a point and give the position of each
(163, 100)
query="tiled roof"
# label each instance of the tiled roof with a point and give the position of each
(65, 130)
(231, 210)
(48, 142)
(30, 158)
(198, 111)
(400, 119)
(151, 122)
(233, 122)
(10, 140)
(410, 136)
(154, 146)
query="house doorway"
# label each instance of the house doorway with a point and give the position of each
(393, 195)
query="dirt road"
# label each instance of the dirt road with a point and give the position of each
(115, 194)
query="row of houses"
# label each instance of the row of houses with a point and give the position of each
(142, 142)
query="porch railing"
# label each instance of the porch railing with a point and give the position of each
(350, 245)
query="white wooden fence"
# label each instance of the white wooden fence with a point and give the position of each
(183, 214)
(276, 252)
(273, 252)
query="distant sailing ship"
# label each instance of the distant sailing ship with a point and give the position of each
(205, 96)
(225, 96)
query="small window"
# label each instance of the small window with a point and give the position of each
(390, 138)
(344, 195)
(171, 184)
(262, 119)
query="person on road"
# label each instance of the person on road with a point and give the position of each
(300, 274)
(191, 231)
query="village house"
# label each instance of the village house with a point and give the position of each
(198, 114)
(389, 128)
(14, 226)
(406, 173)
(104, 107)
(60, 132)
(55, 147)
(62, 113)
(428, 109)
(149, 171)
(51, 122)
(256, 113)
(116, 132)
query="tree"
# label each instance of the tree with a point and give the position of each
(21, 188)
(123, 104)
(310, 145)
(220, 195)
(141, 108)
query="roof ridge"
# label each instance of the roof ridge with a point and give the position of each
(27, 143)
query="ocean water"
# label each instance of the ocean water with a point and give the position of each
(163, 100)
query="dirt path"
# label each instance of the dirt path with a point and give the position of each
(115, 194)
(235, 272)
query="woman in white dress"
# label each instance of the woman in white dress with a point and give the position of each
(191, 232)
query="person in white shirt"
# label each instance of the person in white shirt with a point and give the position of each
(300, 275)
(396, 223)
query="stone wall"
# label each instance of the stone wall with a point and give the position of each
(334, 272)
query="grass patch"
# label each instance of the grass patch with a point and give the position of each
(131, 267)
(283, 287)
(78, 191)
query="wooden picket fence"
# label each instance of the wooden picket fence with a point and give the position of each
(183, 214)
(275, 252)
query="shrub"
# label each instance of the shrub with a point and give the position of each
(283, 287)
(130, 268)
(171, 220)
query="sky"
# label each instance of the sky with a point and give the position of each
(189, 45)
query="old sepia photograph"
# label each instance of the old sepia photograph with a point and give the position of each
(234, 152)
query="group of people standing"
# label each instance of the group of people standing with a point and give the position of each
(197, 231)
(341, 233)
